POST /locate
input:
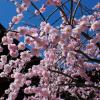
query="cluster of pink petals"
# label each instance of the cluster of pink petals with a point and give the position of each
(62, 46)
(17, 19)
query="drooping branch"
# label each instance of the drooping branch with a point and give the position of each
(80, 85)
(89, 58)
(59, 72)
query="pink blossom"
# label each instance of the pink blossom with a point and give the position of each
(27, 40)
(42, 9)
(22, 8)
(47, 28)
(7, 40)
(12, 96)
(12, 47)
(1, 49)
(27, 2)
(26, 56)
(7, 68)
(97, 5)
(37, 12)
(90, 46)
(35, 52)
(95, 25)
(3, 59)
(57, 2)
(16, 35)
(67, 29)
(21, 46)
(14, 53)
(17, 19)
(10, 34)
(1, 65)
(28, 82)
(23, 30)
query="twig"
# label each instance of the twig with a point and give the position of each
(64, 15)
(74, 12)
(55, 10)
(38, 11)
(71, 10)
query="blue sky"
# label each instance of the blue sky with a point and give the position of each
(8, 10)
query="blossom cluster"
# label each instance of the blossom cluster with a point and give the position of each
(70, 69)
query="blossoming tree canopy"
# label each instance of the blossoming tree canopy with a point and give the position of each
(70, 68)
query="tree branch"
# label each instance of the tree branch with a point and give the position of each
(59, 72)
(89, 58)
(38, 10)
(80, 85)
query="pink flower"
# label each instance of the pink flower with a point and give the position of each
(23, 30)
(33, 32)
(28, 82)
(35, 52)
(42, 24)
(47, 28)
(97, 5)
(27, 40)
(17, 35)
(44, 92)
(7, 68)
(12, 96)
(72, 45)
(7, 40)
(1, 65)
(42, 9)
(21, 46)
(27, 90)
(27, 2)
(1, 49)
(77, 30)
(14, 53)
(57, 2)
(90, 46)
(25, 56)
(10, 34)
(13, 63)
(3, 59)
(17, 19)
(12, 47)
(22, 8)
(95, 25)
(70, 60)
(67, 30)
(18, 75)
(37, 12)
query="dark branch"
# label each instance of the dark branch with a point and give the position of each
(38, 10)
(89, 58)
